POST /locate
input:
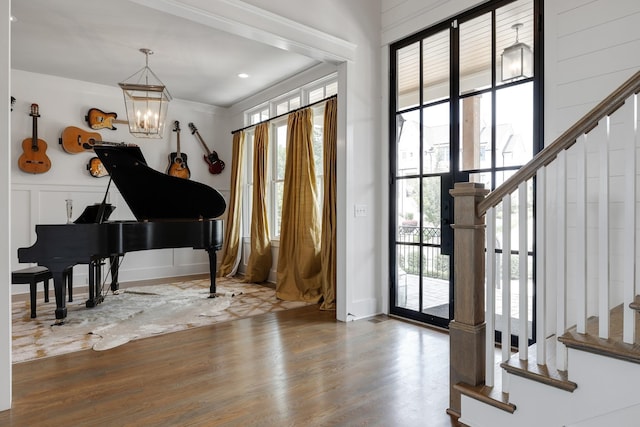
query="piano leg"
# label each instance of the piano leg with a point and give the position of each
(114, 264)
(212, 272)
(60, 288)
(95, 275)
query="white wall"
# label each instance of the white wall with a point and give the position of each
(5, 209)
(40, 198)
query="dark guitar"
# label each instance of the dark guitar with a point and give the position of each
(34, 157)
(98, 119)
(178, 160)
(75, 140)
(215, 164)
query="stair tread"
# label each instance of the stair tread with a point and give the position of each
(614, 346)
(546, 373)
(489, 395)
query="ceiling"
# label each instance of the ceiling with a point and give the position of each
(99, 42)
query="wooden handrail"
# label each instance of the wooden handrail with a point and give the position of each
(589, 121)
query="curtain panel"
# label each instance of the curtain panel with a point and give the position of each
(299, 266)
(231, 244)
(328, 240)
(260, 258)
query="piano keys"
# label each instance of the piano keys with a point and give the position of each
(170, 213)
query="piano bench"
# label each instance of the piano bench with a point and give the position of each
(33, 275)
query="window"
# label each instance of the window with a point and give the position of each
(280, 106)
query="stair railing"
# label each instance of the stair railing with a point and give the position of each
(567, 202)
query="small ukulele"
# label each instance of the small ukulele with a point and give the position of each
(98, 119)
(177, 160)
(75, 140)
(215, 164)
(34, 159)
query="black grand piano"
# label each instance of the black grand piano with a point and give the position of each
(170, 212)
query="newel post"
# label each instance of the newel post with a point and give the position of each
(467, 329)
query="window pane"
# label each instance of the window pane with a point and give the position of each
(408, 150)
(481, 178)
(281, 151)
(508, 16)
(475, 132)
(514, 128)
(332, 89)
(435, 66)
(408, 209)
(408, 71)
(278, 212)
(316, 95)
(407, 276)
(436, 139)
(294, 103)
(475, 54)
(282, 108)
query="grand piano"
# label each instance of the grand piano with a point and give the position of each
(170, 212)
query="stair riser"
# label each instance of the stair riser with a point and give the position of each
(608, 389)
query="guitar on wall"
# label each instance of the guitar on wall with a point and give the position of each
(215, 164)
(98, 119)
(96, 168)
(177, 160)
(75, 140)
(34, 158)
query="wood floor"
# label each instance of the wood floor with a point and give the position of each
(292, 368)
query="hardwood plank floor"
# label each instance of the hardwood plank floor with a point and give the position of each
(291, 368)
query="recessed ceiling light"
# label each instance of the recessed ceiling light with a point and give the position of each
(243, 75)
(12, 18)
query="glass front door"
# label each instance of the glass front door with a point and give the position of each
(457, 115)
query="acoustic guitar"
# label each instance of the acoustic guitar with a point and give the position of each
(211, 158)
(177, 160)
(75, 140)
(34, 157)
(98, 119)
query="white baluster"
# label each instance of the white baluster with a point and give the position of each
(490, 314)
(541, 266)
(506, 287)
(523, 312)
(581, 234)
(561, 273)
(603, 234)
(630, 113)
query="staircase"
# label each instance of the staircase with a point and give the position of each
(583, 368)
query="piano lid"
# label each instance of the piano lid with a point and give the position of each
(153, 195)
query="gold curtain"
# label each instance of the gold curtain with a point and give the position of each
(260, 259)
(328, 242)
(231, 243)
(299, 267)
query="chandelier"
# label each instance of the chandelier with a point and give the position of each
(146, 100)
